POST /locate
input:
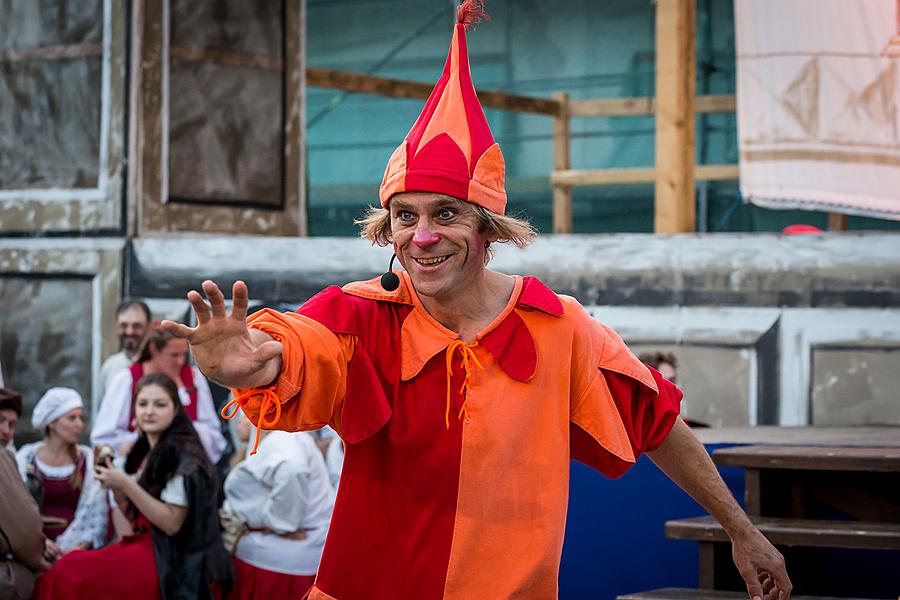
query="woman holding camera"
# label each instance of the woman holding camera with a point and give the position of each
(59, 473)
(168, 492)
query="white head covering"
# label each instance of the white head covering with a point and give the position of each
(53, 404)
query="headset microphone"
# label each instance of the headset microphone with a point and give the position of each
(390, 281)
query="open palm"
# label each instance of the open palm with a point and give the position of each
(222, 344)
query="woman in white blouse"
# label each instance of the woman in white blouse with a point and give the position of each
(284, 497)
(60, 473)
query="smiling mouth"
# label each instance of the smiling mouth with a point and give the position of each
(431, 261)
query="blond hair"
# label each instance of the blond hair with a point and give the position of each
(375, 226)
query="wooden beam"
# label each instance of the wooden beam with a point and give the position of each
(401, 88)
(706, 564)
(726, 103)
(51, 53)
(231, 59)
(296, 214)
(151, 94)
(716, 172)
(837, 222)
(562, 193)
(604, 176)
(643, 106)
(635, 175)
(612, 107)
(515, 103)
(675, 90)
(134, 188)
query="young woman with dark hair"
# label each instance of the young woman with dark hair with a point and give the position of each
(173, 549)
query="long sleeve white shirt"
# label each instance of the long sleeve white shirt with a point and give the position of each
(111, 422)
(284, 487)
(111, 366)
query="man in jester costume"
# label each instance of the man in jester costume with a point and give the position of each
(461, 393)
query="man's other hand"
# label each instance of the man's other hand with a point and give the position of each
(761, 566)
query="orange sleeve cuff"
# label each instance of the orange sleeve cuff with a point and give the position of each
(314, 363)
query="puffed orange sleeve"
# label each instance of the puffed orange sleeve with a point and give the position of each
(309, 391)
(620, 408)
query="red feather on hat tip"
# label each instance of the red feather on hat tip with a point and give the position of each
(471, 12)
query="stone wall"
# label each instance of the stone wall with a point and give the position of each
(768, 329)
(57, 324)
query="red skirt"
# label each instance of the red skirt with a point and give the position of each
(254, 583)
(123, 570)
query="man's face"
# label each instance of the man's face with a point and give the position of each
(170, 358)
(69, 426)
(131, 324)
(154, 411)
(437, 241)
(8, 419)
(668, 371)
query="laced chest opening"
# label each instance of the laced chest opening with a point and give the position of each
(469, 362)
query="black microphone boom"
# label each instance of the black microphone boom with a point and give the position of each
(390, 281)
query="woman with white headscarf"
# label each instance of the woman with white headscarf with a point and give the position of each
(60, 473)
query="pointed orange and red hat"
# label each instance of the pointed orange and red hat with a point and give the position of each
(450, 149)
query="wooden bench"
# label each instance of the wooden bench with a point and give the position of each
(818, 458)
(800, 481)
(834, 474)
(688, 594)
(716, 568)
(794, 532)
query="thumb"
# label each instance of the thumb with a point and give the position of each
(268, 350)
(177, 329)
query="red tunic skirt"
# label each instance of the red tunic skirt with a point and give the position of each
(123, 570)
(254, 583)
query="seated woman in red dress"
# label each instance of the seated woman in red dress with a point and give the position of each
(174, 549)
(59, 473)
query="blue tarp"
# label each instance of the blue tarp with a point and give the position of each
(615, 535)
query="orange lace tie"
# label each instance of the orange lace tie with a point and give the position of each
(469, 362)
(269, 401)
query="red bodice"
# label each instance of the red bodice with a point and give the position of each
(60, 499)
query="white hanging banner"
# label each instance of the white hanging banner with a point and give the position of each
(818, 91)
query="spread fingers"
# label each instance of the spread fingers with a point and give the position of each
(199, 306)
(239, 301)
(216, 298)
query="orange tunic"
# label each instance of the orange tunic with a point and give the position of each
(455, 482)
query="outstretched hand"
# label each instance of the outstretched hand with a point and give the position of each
(761, 566)
(224, 347)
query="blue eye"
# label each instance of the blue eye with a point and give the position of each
(446, 214)
(404, 215)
